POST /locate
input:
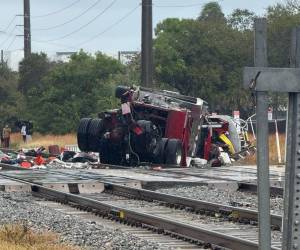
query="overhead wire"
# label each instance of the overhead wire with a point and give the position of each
(72, 19)
(51, 43)
(84, 25)
(13, 50)
(9, 35)
(110, 27)
(178, 6)
(56, 44)
(11, 43)
(10, 23)
(58, 11)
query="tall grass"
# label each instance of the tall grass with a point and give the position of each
(20, 237)
(39, 140)
(273, 155)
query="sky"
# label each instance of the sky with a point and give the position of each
(96, 25)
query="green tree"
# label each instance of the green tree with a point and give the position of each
(204, 58)
(212, 12)
(12, 102)
(241, 19)
(32, 70)
(80, 88)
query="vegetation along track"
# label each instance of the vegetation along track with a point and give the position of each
(199, 229)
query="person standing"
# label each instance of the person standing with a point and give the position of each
(23, 132)
(6, 136)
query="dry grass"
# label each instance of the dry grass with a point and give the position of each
(42, 140)
(20, 237)
(62, 140)
(273, 157)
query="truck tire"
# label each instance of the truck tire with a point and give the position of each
(82, 134)
(173, 152)
(94, 134)
(159, 152)
(120, 91)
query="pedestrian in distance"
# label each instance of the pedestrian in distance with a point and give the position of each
(6, 136)
(23, 133)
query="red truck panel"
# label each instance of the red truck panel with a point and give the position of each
(178, 127)
(175, 124)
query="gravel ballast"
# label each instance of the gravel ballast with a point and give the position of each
(227, 197)
(20, 208)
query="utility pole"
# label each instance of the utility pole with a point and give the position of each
(27, 32)
(147, 49)
(2, 58)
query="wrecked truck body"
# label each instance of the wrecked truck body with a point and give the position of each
(160, 127)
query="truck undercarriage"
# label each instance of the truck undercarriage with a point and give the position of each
(161, 127)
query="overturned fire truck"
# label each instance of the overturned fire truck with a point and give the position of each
(161, 127)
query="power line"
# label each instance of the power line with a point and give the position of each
(11, 43)
(56, 44)
(178, 6)
(9, 35)
(10, 23)
(57, 11)
(13, 50)
(72, 19)
(83, 26)
(110, 27)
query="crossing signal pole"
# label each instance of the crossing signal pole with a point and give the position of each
(27, 31)
(147, 49)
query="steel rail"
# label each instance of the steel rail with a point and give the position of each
(162, 224)
(253, 188)
(179, 201)
(242, 184)
(192, 204)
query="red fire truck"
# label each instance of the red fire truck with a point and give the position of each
(160, 127)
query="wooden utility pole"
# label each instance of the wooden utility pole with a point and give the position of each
(2, 57)
(27, 32)
(147, 50)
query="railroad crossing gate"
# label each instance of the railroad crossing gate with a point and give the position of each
(261, 80)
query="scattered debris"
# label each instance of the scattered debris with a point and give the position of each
(38, 159)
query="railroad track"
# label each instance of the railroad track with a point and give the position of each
(243, 185)
(119, 203)
(235, 214)
(198, 206)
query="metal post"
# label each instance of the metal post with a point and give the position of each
(119, 56)
(2, 57)
(147, 50)
(291, 218)
(27, 32)
(262, 130)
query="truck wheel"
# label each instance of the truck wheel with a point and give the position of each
(173, 152)
(82, 134)
(159, 152)
(95, 129)
(120, 91)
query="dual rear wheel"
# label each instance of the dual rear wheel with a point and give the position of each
(89, 134)
(168, 151)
